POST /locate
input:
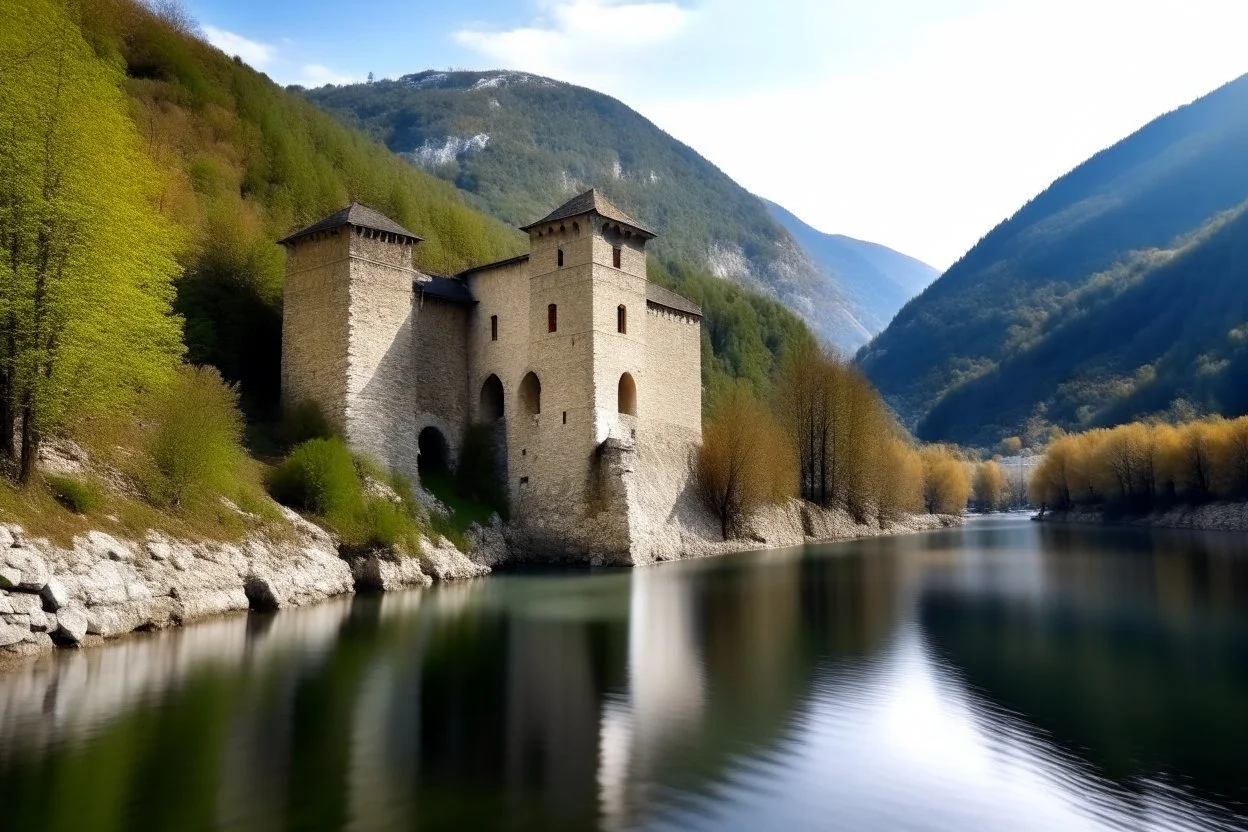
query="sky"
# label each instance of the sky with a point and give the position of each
(919, 124)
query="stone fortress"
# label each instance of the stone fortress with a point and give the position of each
(586, 376)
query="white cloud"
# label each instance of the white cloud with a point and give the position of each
(582, 39)
(258, 55)
(318, 75)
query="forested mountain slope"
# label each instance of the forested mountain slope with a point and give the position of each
(875, 278)
(521, 144)
(1119, 290)
(246, 161)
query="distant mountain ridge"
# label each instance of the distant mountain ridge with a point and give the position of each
(1119, 292)
(877, 279)
(518, 143)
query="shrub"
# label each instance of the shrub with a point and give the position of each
(323, 478)
(196, 436)
(305, 421)
(319, 476)
(388, 525)
(78, 495)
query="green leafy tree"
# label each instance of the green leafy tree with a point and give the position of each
(89, 263)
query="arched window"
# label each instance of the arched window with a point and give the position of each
(560, 259)
(621, 319)
(627, 395)
(552, 318)
(491, 400)
(531, 394)
(433, 454)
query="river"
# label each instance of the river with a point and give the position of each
(1005, 675)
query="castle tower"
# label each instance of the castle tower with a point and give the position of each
(346, 330)
(586, 357)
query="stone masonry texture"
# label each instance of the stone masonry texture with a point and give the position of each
(386, 361)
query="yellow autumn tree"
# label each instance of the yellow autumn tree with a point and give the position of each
(946, 482)
(744, 462)
(990, 486)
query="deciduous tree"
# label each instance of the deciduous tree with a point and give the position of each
(743, 462)
(85, 320)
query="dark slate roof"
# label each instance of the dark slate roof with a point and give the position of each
(591, 202)
(360, 216)
(450, 289)
(656, 294)
(519, 258)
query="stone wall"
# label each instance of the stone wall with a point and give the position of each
(672, 394)
(315, 302)
(502, 291)
(617, 353)
(568, 464)
(381, 366)
(439, 381)
(550, 453)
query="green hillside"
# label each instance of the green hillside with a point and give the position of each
(521, 144)
(1117, 293)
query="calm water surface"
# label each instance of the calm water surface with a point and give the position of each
(1003, 676)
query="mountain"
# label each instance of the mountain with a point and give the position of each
(1119, 292)
(520, 143)
(876, 279)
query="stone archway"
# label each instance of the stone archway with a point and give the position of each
(626, 395)
(531, 394)
(491, 404)
(434, 454)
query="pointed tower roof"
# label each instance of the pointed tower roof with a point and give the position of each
(591, 202)
(355, 214)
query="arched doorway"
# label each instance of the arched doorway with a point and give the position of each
(434, 455)
(627, 395)
(491, 409)
(531, 394)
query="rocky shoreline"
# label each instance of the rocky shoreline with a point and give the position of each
(1211, 517)
(102, 588)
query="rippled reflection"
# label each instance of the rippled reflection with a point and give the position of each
(1007, 675)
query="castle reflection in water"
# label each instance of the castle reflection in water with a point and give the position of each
(1003, 674)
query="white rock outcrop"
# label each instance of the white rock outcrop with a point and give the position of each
(105, 587)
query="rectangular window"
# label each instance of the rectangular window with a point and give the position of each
(616, 256)
(493, 327)
(560, 263)
(621, 319)
(552, 318)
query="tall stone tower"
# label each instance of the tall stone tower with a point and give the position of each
(346, 330)
(586, 355)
